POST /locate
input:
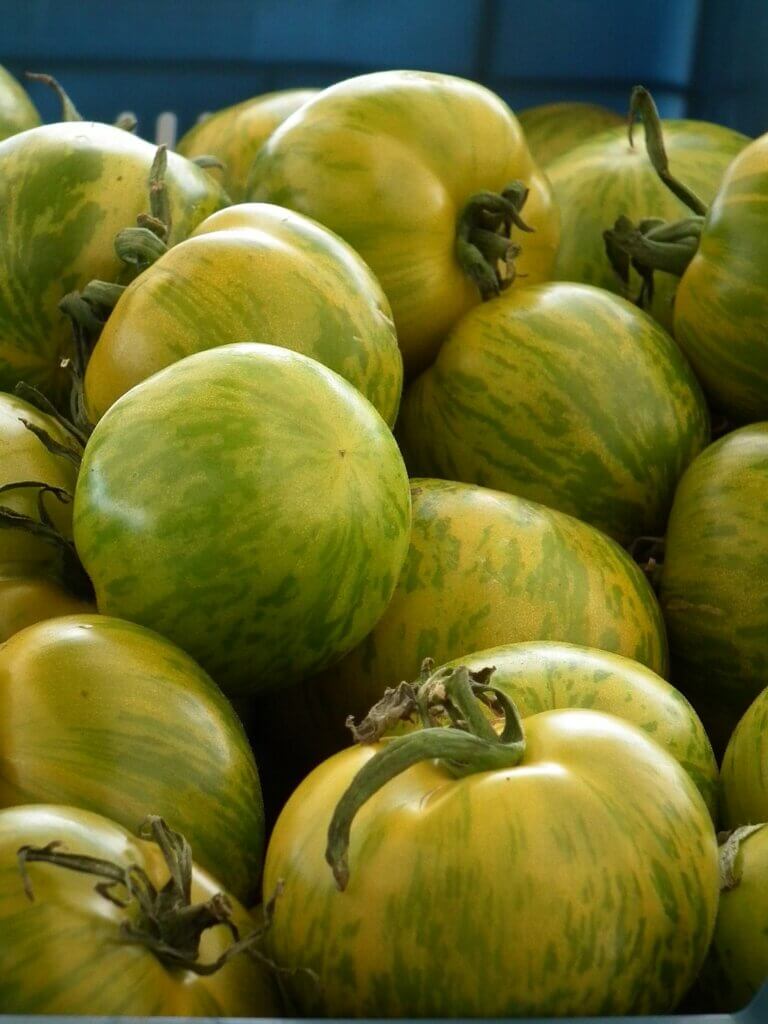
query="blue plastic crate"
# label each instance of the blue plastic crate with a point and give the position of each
(703, 57)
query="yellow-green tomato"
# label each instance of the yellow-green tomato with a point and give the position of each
(738, 963)
(25, 600)
(581, 881)
(390, 161)
(547, 675)
(234, 135)
(17, 111)
(108, 716)
(66, 950)
(554, 128)
(24, 459)
(253, 272)
(745, 768)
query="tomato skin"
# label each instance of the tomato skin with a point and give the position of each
(722, 299)
(555, 128)
(25, 458)
(164, 741)
(388, 161)
(63, 953)
(528, 395)
(252, 272)
(744, 775)
(25, 600)
(66, 190)
(486, 568)
(549, 675)
(235, 134)
(218, 498)
(535, 861)
(713, 585)
(17, 111)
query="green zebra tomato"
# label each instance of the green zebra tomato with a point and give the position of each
(73, 949)
(607, 177)
(714, 580)
(391, 162)
(565, 868)
(65, 191)
(252, 272)
(483, 569)
(17, 111)
(529, 394)
(555, 128)
(249, 504)
(745, 768)
(235, 134)
(164, 741)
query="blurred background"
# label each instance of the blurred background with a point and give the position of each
(700, 58)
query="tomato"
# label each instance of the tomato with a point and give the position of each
(25, 459)
(250, 505)
(745, 768)
(17, 111)
(67, 951)
(25, 600)
(713, 585)
(66, 190)
(607, 176)
(555, 128)
(391, 161)
(483, 569)
(234, 135)
(252, 272)
(566, 867)
(722, 299)
(548, 675)
(529, 395)
(738, 963)
(165, 741)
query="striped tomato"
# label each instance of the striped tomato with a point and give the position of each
(17, 111)
(745, 768)
(250, 505)
(235, 134)
(565, 867)
(393, 162)
(607, 177)
(529, 394)
(555, 128)
(163, 740)
(66, 190)
(714, 580)
(252, 272)
(546, 676)
(137, 945)
(486, 568)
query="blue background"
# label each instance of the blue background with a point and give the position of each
(701, 58)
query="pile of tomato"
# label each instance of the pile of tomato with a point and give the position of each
(383, 559)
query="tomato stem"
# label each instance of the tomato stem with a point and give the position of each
(484, 247)
(642, 106)
(168, 923)
(470, 745)
(730, 870)
(69, 111)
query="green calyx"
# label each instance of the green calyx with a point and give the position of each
(167, 922)
(484, 248)
(469, 745)
(654, 244)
